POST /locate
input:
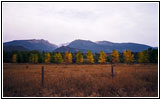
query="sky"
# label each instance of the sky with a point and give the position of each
(62, 22)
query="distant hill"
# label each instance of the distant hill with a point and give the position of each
(107, 46)
(86, 44)
(74, 46)
(72, 50)
(14, 48)
(155, 47)
(135, 47)
(64, 49)
(33, 44)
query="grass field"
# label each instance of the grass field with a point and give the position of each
(137, 80)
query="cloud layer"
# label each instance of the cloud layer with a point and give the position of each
(63, 22)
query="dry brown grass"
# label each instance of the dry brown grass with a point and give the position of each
(80, 80)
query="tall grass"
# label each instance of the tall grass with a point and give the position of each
(80, 80)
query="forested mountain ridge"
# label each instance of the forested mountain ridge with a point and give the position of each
(33, 44)
(74, 46)
(107, 46)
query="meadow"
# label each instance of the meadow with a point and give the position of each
(85, 80)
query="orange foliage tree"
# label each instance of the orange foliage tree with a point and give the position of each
(47, 57)
(14, 58)
(68, 57)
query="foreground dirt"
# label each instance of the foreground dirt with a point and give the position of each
(138, 80)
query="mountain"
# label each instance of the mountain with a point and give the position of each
(105, 43)
(155, 47)
(135, 47)
(106, 46)
(74, 46)
(85, 44)
(63, 44)
(33, 44)
(14, 47)
(72, 50)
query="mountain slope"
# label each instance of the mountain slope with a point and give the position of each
(106, 46)
(74, 46)
(86, 44)
(135, 47)
(41, 45)
(72, 50)
(14, 48)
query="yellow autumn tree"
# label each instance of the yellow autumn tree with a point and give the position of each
(79, 57)
(90, 57)
(143, 56)
(115, 56)
(102, 57)
(128, 56)
(47, 57)
(68, 57)
(58, 58)
(14, 58)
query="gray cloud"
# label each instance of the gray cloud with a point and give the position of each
(64, 22)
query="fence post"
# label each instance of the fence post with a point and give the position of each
(112, 70)
(42, 76)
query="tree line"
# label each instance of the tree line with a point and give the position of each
(145, 56)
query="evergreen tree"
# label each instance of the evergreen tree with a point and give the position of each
(153, 55)
(33, 58)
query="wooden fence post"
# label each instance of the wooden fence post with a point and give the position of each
(42, 76)
(112, 70)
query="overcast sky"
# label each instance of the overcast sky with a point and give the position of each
(66, 21)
